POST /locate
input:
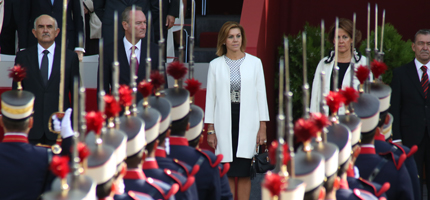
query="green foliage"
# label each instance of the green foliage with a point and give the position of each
(397, 51)
(313, 51)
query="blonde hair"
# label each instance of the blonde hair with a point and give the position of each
(223, 34)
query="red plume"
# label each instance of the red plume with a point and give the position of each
(60, 166)
(157, 79)
(125, 97)
(320, 120)
(273, 182)
(334, 101)
(378, 68)
(305, 129)
(17, 73)
(83, 151)
(145, 88)
(177, 70)
(193, 86)
(112, 107)
(350, 94)
(94, 121)
(362, 73)
(272, 153)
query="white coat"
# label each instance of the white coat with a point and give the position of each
(328, 69)
(253, 105)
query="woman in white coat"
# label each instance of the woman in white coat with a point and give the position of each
(236, 106)
(345, 57)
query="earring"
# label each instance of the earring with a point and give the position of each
(223, 44)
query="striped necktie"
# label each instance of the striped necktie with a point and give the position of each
(425, 81)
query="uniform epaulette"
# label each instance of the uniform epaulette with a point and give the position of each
(157, 185)
(390, 156)
(190, 171)
(183, 182)
(138, 195)
(212, 163)
(384, 188)
(362, 194)
(412, 151)
(223, 169)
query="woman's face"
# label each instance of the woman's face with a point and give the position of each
(234, 40)
(345, 41)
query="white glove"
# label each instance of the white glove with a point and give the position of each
(65, 127)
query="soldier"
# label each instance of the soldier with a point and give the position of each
(22, 162)
(398, 151)
(208, 177)
(374, 167)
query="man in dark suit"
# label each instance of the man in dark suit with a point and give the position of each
(410, 103)
(170, 12)
(105, 11)
(10, 23)
(75, 21)
(124, 52)
(42, 63)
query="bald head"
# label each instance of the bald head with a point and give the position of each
(45, 30)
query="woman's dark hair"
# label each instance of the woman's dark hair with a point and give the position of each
(223, 34)
(347, 26)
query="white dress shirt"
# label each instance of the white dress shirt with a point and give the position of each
(127, 47)
(40, 54)
(419, 65)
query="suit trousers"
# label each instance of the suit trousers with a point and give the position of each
(422, 159)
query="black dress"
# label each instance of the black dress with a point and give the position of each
(240, 167)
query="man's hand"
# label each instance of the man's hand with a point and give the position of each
(170, 21)
(80, 55)
(212, 141)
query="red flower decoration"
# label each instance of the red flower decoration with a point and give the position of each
(83, 151)
(320, 120)
(94, 121)
(334, 101)
(273, 183)
(177, 70)
(378, 68)
(17, 73)
(145, 88)
(157, 79)
(193, 86)
(362, 73)
(125, 97)
(112, 107)
(272, 153)
(305, 129)
(60, 166)
(350, 94)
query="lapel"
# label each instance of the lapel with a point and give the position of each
(411, 70)
(141, 73)
(34, 65)
(55, 73)
(124, 67)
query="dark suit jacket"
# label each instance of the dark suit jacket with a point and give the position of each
(410, 109)
(105, 11)
(75, 20)
(46, 98)
(169, 8)
(12, 22)
(124, 68)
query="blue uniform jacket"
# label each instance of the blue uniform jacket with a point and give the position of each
(136, 180)
(400, 182)
(151, 169)
(208, 177)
